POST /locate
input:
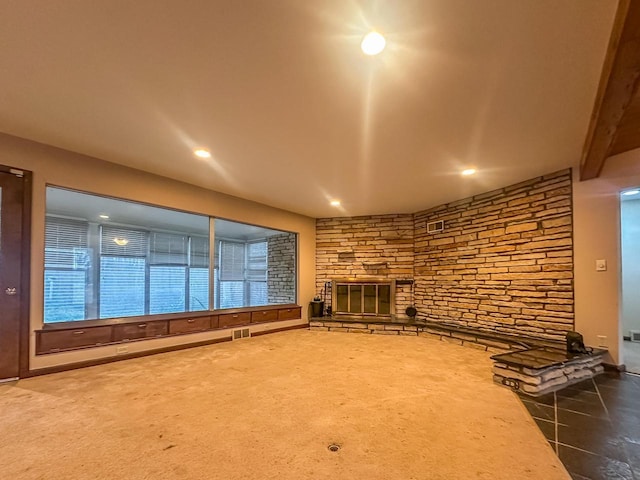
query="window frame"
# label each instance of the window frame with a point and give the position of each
(93, 275)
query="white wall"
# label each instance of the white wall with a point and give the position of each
(596, 210)
(59, 167)
(630, 221)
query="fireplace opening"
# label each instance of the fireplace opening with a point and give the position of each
(375, 298)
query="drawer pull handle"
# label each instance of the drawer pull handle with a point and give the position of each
(78, 332)
(264, 313)
(235, 316)
(191, 320)
(142, 325)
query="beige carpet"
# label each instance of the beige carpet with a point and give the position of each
(267, 408)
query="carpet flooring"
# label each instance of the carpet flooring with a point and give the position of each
(268, 408)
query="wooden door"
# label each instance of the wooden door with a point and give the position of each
(12, 296)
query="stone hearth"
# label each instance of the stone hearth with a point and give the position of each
(537, 371)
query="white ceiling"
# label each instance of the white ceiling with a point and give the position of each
(292, 111)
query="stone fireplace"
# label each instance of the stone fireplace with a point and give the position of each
(374, 298)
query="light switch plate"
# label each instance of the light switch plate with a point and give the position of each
(601, 265)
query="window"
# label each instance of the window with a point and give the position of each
(253, 265)
(140, 260)
(123, 263)
(67, 263)
(198, 273)
(232, 271)
(109, 258)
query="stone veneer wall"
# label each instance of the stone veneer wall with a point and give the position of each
(504, 261)
(371, 247)
(281, 273)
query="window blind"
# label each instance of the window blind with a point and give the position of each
(231, 261)
(66, 243)
(123, 242)
(167, 288)
(257, 261)
(122, 286)
(199, 252)
(168, 249)
(198, 289)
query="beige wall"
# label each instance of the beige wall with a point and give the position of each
(63, 168)
(596, 232)
(597, 236)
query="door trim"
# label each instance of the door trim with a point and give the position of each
(25, 270)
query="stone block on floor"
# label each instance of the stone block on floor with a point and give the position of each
(538, 371)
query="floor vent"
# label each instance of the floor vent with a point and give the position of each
(241, 333)
(635, 335)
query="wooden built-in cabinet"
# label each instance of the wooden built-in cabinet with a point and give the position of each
(190, 325)
(95, 333)
(264, 316)
(57, 340)
(234, 319)
(135, 331)
(289, 313)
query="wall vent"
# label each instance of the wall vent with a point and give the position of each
(434, 227)
(241, 333)
(635, 335)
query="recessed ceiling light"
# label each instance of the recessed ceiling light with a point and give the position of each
(373, 43)
(468, 171)
(335, 203)
(202, 153)
(106, 217)
(631, 192)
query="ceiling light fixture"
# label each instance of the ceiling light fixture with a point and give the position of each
(121, 242)
(468, 171)
(335, 203)
(106, 217)
(202, 153)
(635, 191)
(373, 43)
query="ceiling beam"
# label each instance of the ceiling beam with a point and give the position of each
(618, 86)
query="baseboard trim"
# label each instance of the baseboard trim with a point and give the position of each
(126, 356)
(283, 329)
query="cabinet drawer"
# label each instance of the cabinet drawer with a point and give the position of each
(231, 319)
(264, 316)
(133, 331)
(67, 339)
(290, 313)
(187, 325)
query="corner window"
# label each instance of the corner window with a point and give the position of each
(108, 258)
(253, 266)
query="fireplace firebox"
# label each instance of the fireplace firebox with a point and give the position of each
(363, 297)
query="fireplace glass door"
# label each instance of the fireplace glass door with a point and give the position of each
(363, 298)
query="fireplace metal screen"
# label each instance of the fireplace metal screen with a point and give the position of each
(363, 297)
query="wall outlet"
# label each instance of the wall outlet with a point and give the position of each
(602, 341)
(121, 350)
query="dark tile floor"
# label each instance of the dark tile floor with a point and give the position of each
(594, 426)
